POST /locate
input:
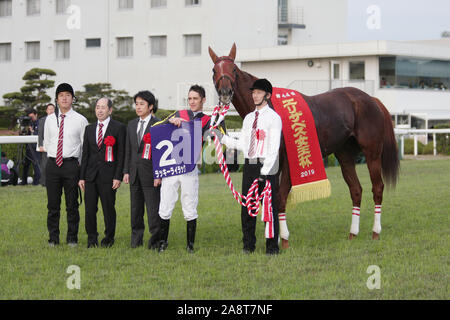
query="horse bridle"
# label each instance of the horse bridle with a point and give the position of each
(225, 75)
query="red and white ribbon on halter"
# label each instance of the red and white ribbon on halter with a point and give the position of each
(252, 199)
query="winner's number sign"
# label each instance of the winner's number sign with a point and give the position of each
(175, 150)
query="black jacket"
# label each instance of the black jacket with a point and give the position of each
(93, 159)
(134, 164)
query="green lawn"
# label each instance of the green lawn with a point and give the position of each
(321, 263)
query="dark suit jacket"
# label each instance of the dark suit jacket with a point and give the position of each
(134, 164)
(93, 162)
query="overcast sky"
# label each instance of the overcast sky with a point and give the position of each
(397, 19)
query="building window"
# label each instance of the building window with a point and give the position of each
(5, 8)
(125, 47)
(158, 46)
(192, 2)
(33, 50)
(62, 49)
(158, 3)
(93, 43)
(5, 52)
(192, 44)
(33, 7)
(336, 71)
(387, 71)
(282, 39)
(403, 72)
(125, 4)
(62, 5)
(356, 70)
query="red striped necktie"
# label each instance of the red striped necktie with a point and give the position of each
(100, 135)
(59, 150)
(252, 149)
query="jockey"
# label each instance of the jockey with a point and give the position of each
(187, 181)
(260, 142)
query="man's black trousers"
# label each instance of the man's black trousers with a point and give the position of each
(58, 178)
(250, 173)
(95, 190)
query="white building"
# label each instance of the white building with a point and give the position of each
(162, 46)
(411, 78)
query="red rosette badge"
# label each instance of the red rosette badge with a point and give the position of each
(147, 152)
(109, 141)
(260, 136)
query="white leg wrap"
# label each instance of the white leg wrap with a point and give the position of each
(354, 229)
(284, 232)
(377, 220)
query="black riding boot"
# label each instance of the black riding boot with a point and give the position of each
(191, 227)
(163, 243)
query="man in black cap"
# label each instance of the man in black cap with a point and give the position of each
(63, 140)
(259, 141)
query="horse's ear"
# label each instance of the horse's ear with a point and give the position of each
(232, 54)
(212, 55)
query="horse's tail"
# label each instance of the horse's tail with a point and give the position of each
(390, 162)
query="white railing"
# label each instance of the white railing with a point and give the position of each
(415, 133)
(18, 139)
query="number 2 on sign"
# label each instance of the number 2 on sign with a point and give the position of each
(163, 162)
(307, 173)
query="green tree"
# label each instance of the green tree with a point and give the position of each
(122, 101)
(32, 95)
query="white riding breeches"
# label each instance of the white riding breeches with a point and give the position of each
(189, 195)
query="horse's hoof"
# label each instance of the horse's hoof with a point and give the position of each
(351, 236)
(375, 236)
(284, 243)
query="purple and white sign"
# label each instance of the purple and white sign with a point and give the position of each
(175, 150)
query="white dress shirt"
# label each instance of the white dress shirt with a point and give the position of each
(269, 124)
(105, 126)
(74, 125)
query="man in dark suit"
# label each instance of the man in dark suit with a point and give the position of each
(49, 110)
(31, 154)
(102, 171)
(138, 172)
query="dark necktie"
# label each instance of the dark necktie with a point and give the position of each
(141, 131)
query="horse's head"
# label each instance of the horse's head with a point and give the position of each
(224, 74)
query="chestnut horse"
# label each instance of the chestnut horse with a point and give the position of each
(347, 121)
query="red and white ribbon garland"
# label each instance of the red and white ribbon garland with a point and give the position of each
(252, 199)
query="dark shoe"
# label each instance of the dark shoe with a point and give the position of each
(92, 244)
(248, 251)
(136, 245)
(153, 245)
(272, 252)
(52, 243)
(107, 243)
(163, 246)
(190, 233)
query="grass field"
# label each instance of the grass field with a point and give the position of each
(413, 253)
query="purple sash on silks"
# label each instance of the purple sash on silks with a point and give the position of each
(176, 150)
